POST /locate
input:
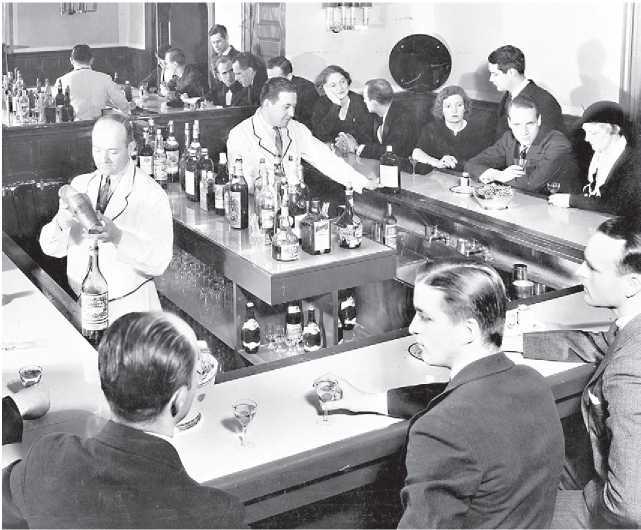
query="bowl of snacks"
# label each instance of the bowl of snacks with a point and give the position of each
(493, 196)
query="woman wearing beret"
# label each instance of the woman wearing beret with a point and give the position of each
(613, 184)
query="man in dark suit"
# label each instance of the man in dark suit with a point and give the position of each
(305, 90)
(487, 451)
(528, 156)
(507, 73)
(251, 73)
(611, 401)
(226, 91)
(219, 40)
(129, 475)
(187, 78)
(390, 125)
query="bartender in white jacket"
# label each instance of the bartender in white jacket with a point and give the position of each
(272, 132)
(137, 239)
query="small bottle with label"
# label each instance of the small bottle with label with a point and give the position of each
(349, 226)
(311, 332)
(250, 330)
(315, 231)
(192, 184)
(238, 198)
(206, 170)
(285, 243)
(94, 299)
(390, 171)
(389, 228)
(293, 324)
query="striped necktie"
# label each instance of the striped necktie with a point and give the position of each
(278, 141)
(104, 194)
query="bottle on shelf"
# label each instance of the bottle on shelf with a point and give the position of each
(339, 331)
(206, 170)
(184, 156)
(38, 85)
(267, 210)
(296, 203)
(220, 181)
(160, 161)
(250, 330)
(390, 171)
(285, 243)
(146, 155)
(260, 181)
(294, 323)
(128, 93)
(172, 151)
(69, 113)
(94, 299)
(60, 97)
(195, 138)
(152, 129)
(238, 198)
(311, 332)
(315, 231)
(390, 227)
(192, 177)
(347, 309)
(22, 109)
(349, 226)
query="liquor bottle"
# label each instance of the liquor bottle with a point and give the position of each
(195, 141)
(289, 169)
(312, 332)
(160, 161)
(294, 323)
(128, 93)
(94, 299)
(267, 213)
(69, 112)
(152, 128)
(279, 180)
(347, 309)
(220, 181)
(285, 243)
(32, 102)
(192, 178)
(339, 331)
(349, 226)
(250, 330)
(116, 77)
(172, 150)
(260, 181)
(207, 196)
(238, 198)
(206, 170)
(305, 194)
(315, 231)
(389, 228)
(296, 207)
(390, 171)
(146, 155)
(38, 85)
(60, 97)
(184, 156)
(22, 107)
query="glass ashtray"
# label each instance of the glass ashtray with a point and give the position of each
(190, 421)
(416, 351)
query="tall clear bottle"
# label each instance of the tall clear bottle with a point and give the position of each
(146, 154)
(390, 171)
(238, 198)
(94, 299)
(315, 231)
(390, 228)
(184, 156)
(250, 330)
(172, 150)
(221, 180)
(267, 210)
(349, 226)
(160, 161)
(312, 339)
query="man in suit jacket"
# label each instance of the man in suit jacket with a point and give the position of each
(219, 40)
(546, 154)
(611, 401)
(305, 90)
(186, 76)
(486, 452)
(226, 91)
(390, 126)
(251, 73)
(507, 73)
(129, 475)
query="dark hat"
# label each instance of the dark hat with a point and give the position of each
(604, 112)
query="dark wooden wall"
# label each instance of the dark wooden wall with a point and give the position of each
(131, 64)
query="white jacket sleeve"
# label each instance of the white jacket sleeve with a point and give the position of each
(54, 240)
(116, 97)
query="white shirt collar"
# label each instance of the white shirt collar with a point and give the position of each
(602, 163)
(226, 52)
(623, 321)
(519, 88)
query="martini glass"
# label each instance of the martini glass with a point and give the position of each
(244, 411)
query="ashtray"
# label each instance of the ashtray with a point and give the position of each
(416, 351)
(464, 190)
(207, 369)
(493, 196)
(190, 421)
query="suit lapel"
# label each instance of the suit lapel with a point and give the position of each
(120, 197)
(265, 140)
(614, 171)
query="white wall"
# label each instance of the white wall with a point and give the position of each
(230, 15)
(573, 49)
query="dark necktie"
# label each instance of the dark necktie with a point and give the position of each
(523, 152)
(278, 141)
(104, 194)
(611, 334)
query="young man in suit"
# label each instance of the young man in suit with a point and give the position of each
(186, 76)
(507, 73)
(487, 451)
(251, 73)
(611, 401)
(543, 155)
(219, 40)
(129, 475)
(391, 126)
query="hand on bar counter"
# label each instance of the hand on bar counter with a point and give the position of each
(357, 400)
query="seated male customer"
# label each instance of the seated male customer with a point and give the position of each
(186, 76)
(507, 73)
(251, 74)
(219, 40)
(546, 154)
(226, 91)
(487, 451)
(272, 133)
(129, 475)
(613, 184)
(305, 90)
(91, 91)
(611, 401)
(392, 126)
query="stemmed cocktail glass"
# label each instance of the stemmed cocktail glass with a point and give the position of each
(244, 411)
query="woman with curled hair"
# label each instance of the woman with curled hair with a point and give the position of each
(452, 138)
(339, 110)
(613, 183)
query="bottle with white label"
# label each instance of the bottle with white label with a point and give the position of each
(192, 181)
(389, 228)
(349, 225)
(250, 330)
(347, 309)
(315, 231)
(205, 170)
(172, 150)
(220, 181)
(312, 339)
(390, 171)
(285, 243)
(160, 160)
(146, 155)
(294, 324)
(238, 198)
(94, 299)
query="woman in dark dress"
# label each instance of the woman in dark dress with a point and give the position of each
(452, 138)
(339, 110)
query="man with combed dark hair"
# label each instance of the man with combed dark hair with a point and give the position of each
(507, 73)
(486, 451)
(610, 405)
(219, 40)
(305, 90)
(392, 126)
(226, 91)
(528, 156)
(91, 91)
(272, 134)
(251, 73)
(129, 475)
(186, 76)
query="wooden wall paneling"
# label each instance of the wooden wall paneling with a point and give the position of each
(266, 25)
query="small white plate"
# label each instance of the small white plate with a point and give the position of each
(189, 422)
(463, 190)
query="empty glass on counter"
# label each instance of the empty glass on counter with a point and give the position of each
(328, 389)
(244, 411)
(30, 375)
